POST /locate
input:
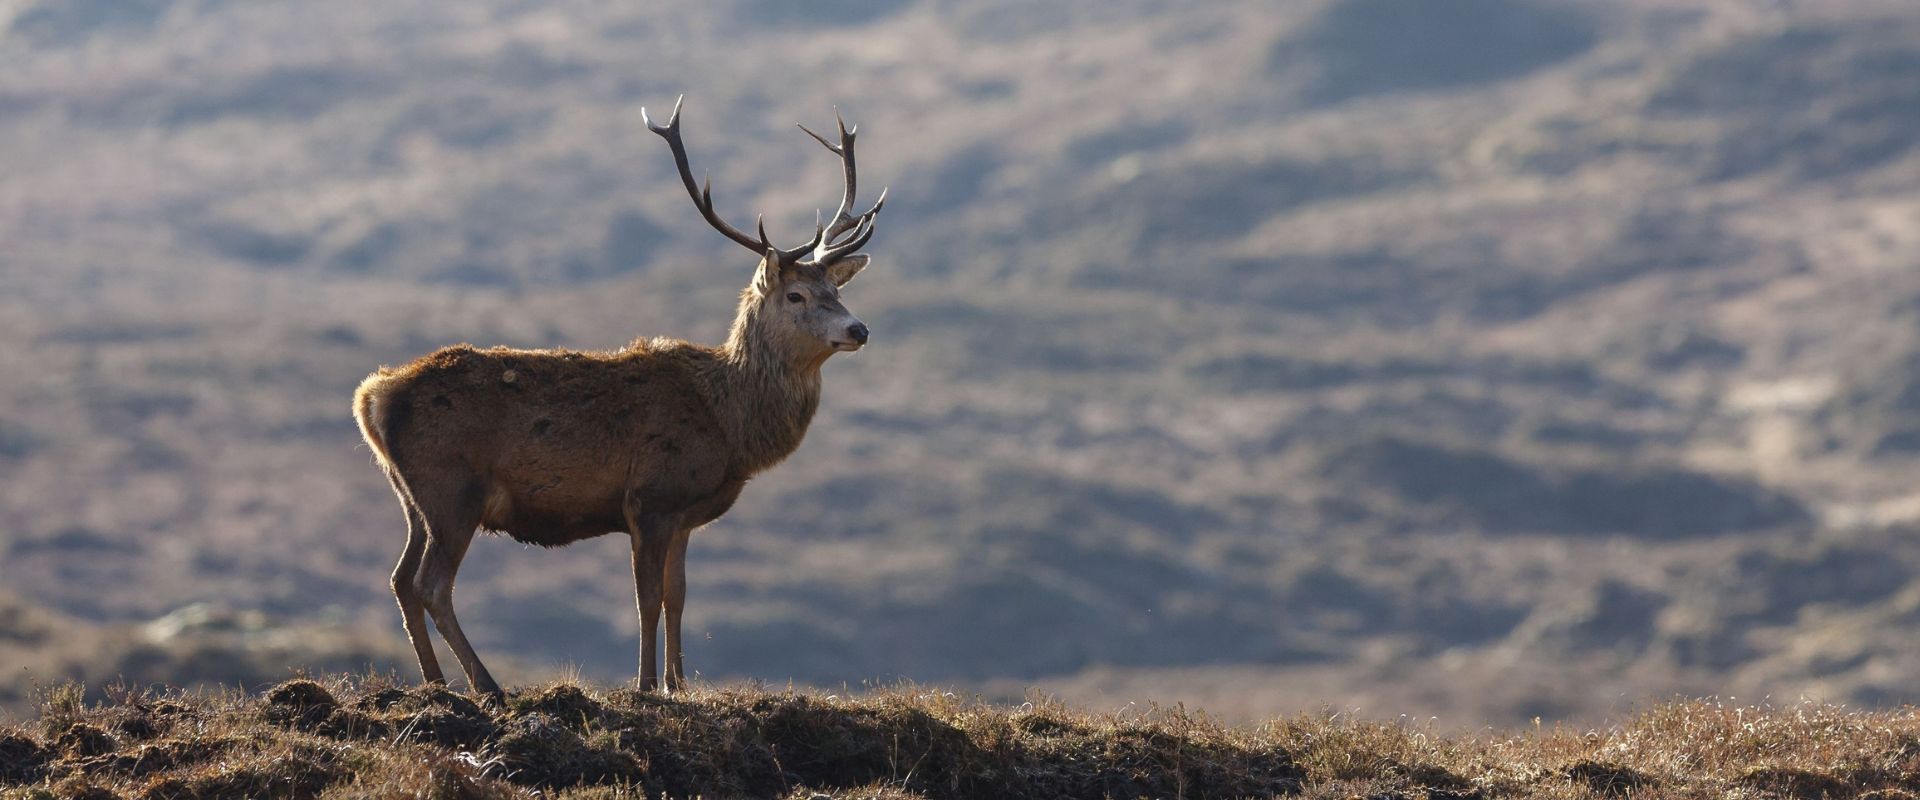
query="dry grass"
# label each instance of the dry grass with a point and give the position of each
(364, 737)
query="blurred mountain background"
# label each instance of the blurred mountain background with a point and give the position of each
(1488, 359)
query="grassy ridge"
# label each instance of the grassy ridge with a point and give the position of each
(348, 737)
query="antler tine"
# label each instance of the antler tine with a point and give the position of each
(673, 121)
(821, 139)
(843, 221)
(863, 219)
(862, 232)
(702, 199)
(845, 134)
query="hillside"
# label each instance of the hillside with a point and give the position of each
(1527, 359)
(355, 738)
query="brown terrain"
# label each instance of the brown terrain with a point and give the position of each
(1514, 360)
(347, 737)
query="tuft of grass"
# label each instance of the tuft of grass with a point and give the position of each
(1608, 780)
(345, 737)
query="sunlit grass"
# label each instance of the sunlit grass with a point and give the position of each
(348, 736)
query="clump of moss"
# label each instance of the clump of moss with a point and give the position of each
(83, 789)
(171, 709)
(564, 702)
(438, 696)
(146, 760)
(878, 791)
(82, 740)
(539, 750)
(349, 723)
(436, 714)
(22, 760)
(167, 788)
(380, 699)
(1611, 780)
(295, 772)
(1134, 759)
(301, 704)
(447, 728)
(301, 693)
(135, 724)
(1437, 782)
(1797, 783)
(1043, 724)
(836, 744)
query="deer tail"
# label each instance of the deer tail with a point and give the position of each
(374, 407)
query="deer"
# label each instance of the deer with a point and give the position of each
(655, 440)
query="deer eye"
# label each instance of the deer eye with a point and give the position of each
(794, 297)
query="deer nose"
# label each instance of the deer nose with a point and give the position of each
(858, 331)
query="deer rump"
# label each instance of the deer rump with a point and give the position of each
(552, 446)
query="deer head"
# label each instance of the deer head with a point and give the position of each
(793, 301)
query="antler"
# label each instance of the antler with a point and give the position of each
(703, 197)
(862, 226)
(823, 249)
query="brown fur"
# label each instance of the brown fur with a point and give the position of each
(554, 446)
(555, 438)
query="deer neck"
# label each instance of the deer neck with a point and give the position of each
(766, 392)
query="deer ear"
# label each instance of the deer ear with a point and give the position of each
(767, 275)
(844, 269)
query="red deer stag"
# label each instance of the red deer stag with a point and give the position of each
(657, 439)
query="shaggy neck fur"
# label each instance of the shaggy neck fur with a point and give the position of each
(767, 389)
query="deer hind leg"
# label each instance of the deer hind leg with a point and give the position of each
(675, 591)
(450, 527)
(412, 606)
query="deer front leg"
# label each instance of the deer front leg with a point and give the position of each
(675, 581)
(650, 540)
(646, 591)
